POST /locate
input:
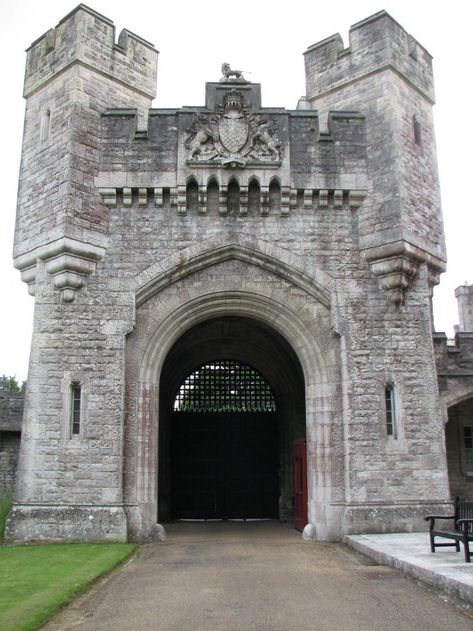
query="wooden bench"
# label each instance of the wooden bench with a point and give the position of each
(462, 528)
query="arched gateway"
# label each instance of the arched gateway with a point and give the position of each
(259, 334)
(298, 247)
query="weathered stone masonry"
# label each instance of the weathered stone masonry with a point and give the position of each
(319, 230)
(11, 411)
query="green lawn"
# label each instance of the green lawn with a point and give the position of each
(35, 580)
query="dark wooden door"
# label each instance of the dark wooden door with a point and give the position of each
(224, 466)
(300, 484)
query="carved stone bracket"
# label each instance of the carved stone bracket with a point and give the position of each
(68, 261)
(397, 264)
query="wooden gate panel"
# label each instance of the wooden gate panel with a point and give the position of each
(224, 466)
(300, 484)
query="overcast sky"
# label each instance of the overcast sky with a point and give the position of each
(268, 39)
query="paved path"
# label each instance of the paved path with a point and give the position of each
(409, 552)
(256, 576)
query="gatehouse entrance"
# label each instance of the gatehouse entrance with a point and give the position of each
(232, 404)
(224, 445)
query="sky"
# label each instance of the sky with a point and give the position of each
(267, 39)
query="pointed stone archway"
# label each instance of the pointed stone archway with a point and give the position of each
(164, 319)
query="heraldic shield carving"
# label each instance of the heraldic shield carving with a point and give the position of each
(232, 136)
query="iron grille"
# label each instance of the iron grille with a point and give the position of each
(225, 386)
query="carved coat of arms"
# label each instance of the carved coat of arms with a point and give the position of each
(232, 136)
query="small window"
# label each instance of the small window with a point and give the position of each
(75, 408)
(417, 130)
(45, 125)
(468, 447)
(390, 402)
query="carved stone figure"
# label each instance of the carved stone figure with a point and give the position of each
(233, 125)
(264, 143)
(200, 142)
(227, 73)
(232, 136)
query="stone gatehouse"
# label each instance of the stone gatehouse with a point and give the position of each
(232, 302)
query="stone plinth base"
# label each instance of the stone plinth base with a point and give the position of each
(65, 523)
(395, 517)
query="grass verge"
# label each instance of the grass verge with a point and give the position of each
(36, 580)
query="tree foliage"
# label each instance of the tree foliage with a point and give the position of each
(12, 383)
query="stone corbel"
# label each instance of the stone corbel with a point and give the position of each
(68, 261)
(397, 265)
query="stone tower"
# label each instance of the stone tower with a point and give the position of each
(173, 251)
(387, 76)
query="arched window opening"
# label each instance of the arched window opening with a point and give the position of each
(274, 195)
(254, 197)
(192, 195)
(224, 386)
(212, 196)
(233, 198)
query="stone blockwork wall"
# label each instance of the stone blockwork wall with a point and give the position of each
(454, 367)
(9, 448)
(11, 412)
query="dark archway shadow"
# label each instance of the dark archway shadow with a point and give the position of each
(248, 341)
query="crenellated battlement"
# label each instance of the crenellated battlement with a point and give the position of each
(375, 44)
(464, 296)
(88, 38)
(454, 366)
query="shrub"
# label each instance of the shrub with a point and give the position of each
(5, 506)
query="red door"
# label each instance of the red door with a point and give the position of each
(300, 484)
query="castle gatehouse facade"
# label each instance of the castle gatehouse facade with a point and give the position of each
(232, 302)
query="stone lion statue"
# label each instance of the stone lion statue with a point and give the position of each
(227, 72)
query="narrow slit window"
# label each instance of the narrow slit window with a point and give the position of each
(417, 130)
(45, 125)
(390, 402)
(75, 408)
